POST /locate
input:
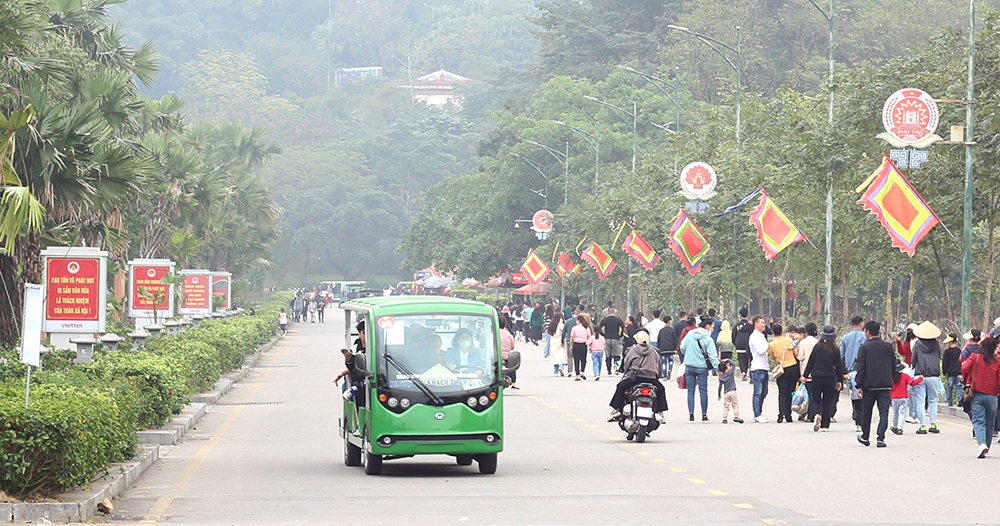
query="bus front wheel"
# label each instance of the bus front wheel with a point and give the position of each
(487, 463)
(373, 463)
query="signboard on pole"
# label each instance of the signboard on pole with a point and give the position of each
(196, 292)
(910, 118)
(222, 287)
(698, 181)
(75, 289)
(31, 324)
(146, 290)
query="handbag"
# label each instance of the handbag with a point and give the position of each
(682, 382)
(779, 369)
(632, 374)
(968, 392)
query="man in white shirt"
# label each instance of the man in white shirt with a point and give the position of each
(653, 327)
(759, 367)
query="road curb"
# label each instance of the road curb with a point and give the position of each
(81, 505)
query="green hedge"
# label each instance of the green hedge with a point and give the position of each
(83, 417)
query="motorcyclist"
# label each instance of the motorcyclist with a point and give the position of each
(645, 360)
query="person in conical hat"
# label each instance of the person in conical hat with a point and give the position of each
(927, 363)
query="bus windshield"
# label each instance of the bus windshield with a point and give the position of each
(448, 353)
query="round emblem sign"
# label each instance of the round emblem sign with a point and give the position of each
(151, 272)
(910, 118)
(698, 181)
(73, 267)
(542, 221)
(195, 280)
(386, 322)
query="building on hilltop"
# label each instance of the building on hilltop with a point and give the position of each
(437, 89)
(350, 75)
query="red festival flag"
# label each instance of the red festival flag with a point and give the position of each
(689, 242)
(638, 248)
(775, 232)
(566, 266)
(897, 205)
(600, 260)
(534, 268)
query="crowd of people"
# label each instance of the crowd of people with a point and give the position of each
(903, 377)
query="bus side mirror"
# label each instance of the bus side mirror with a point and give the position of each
(361, 364)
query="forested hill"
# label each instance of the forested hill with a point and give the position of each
(364, 154)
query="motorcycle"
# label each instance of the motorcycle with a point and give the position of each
(638, 419)
(511, 364)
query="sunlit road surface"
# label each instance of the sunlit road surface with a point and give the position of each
(278, 460)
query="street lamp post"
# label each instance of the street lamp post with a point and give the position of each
(828, 277)
(563, 159)
(663, 85)
(592, 139)
(624, 115)
(969, 142)
(538, 168)
(720, 47)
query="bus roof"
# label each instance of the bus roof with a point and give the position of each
(418, 303)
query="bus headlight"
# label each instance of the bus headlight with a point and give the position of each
(404, 403)
(484, 400)
(393, 402)
(472, 401)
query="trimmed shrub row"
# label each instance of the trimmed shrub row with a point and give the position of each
(82, 417)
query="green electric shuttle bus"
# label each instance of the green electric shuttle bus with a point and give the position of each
(428, 382)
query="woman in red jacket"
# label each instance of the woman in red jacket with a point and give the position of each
(982, 373)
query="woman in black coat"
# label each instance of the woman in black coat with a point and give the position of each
(826, 371)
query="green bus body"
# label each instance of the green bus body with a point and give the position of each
(454, 427)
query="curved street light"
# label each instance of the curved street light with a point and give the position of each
(624, 115)
(721, 47)
(592, 139)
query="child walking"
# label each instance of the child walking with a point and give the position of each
(951, 366)
(901, 382)
(283, 321)
(597, 343)
(727, 382)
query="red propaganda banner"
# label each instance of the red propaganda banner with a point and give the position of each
(148, 291)
(196, 294)
(221, 288)
(73, 289)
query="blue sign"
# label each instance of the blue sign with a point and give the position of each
(908, 158)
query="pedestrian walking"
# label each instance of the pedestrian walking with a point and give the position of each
(557, 354)
(320, 307)
(972, 340)
(849, 346)
(758, 368)
(506, 346)
(612, 328)
(825, 370)
(783, 354)
(901, 383)
(741, 341)
(718, 326)
(546, 319)
(537, 322)
(982, 374)
(297, 308)
(666, 345)
(597, 344)
(580, 336)
(951, 366)
(927, 363)
(283, 321)
(653, 327)
(803, 351)
(876, 365)
(727, 383)
(700, 356)
(312, 310)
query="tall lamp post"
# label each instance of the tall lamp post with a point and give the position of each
(720, 48)
(969, 142)
(538, 168)
(563, 159)
(624, 114)
(592, 139)
(828, 276)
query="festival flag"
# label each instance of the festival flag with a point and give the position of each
(775, 232)
(689, 243)
(897, 205)
(534, 268)
(638, 248)
(599, 259)
(566, 266)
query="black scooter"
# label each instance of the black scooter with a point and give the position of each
(638, 419)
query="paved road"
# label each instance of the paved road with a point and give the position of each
(278, 460)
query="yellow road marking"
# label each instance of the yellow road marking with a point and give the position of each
(601, 432)
(718, 493)
(768, 521)
(957, 425)
(678, 470)
(579, 419)
(160, 506)
(628, 445)
(744, 505)
(696, 481)
(643, 453)
(560, 410)
(590, 425)
(614, 439)
(660, 460)
(570, 414)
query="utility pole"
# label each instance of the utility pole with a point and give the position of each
(969, 180)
